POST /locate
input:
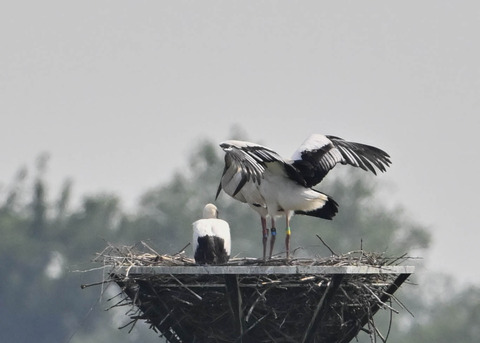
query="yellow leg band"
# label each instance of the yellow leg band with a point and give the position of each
(289, 232)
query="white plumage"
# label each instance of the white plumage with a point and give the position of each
(273, 186)
(211, 238)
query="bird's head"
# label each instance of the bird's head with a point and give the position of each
(210, 211)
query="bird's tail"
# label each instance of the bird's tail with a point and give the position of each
(327, 211)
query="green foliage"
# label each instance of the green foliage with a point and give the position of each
(455, 319)
(45, 241)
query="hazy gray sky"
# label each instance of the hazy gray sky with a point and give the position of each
(118, 92)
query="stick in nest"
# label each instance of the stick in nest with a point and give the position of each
(331, 251)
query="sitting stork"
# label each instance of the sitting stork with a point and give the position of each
(211, 238)
(273, 186)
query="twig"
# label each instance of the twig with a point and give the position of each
(390, 321)
(378, 299)
(331, 251)
(182, 250)
(87, 270)
(260, 296)
(95, 284)
(397, 259)
(250, 328)
(188, 289)
(149, 248)
(392, 296)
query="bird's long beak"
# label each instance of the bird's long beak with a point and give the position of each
(218, 190)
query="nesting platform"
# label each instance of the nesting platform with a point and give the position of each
(248, 300)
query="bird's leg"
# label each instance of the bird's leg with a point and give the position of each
(264, 236)
(273, 233)
(287, 237)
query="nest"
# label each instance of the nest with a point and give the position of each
(253, 307)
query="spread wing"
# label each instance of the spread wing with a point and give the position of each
(244, 162)
(319, 154)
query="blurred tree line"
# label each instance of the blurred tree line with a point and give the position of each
(46, 248)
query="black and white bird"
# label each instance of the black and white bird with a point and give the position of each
(211, 238)
(274, 186)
